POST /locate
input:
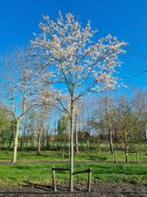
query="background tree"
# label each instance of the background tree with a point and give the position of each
(107, 104)
(62, 125)
(41, 127)
(7, 127)
(23, 91)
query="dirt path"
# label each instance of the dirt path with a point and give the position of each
(98, 190)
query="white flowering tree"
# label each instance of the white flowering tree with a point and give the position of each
(75, 63)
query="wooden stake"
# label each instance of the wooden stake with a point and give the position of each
(54, 180)
(89, 179)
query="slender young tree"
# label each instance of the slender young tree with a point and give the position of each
(108, 116)
(42, 118)
(22, 92)
(75, 63)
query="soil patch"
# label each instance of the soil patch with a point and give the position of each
(98, 190)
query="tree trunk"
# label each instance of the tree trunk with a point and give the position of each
(111, 141)
(9, 144)
(76, 136)
(109, 126)
(16, 141)
(77, 143)
(42, 140)
(126, 153)
(45, 139)
(22, 142)
(71, 145)
(69, 142)
(137, 154)
(115, 154)
(39, 144)
(126, 146)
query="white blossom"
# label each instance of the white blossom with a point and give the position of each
(74, 58)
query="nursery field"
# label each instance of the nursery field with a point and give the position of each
(37, 169)
(73, 98)
(52, 156)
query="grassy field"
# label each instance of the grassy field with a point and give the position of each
(87, 156)
(37, 168)
(41, 173)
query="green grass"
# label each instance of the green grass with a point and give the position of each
(41, 173)
(90, 156)
(32, 167)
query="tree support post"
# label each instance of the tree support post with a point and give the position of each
(54, 180)
(89, 179)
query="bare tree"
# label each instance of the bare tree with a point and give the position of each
(42, 117)
(21, 89)
(107, 102)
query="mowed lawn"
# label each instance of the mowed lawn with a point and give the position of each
(37, 168)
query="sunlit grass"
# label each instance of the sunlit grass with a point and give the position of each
(37, 168)
(41, 173)
(90, 156)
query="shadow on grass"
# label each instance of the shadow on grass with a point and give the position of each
(47, 188)
(37, 186)
(98, 158)
(60, 187)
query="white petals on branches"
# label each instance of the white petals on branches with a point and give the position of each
(74, 58)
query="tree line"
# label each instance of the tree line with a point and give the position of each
(108, 120)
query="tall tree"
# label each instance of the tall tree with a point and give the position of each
(72, 58)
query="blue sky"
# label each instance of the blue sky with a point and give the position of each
(126, 19)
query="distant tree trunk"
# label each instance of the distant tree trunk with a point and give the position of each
(111, 140)
(39, 145)
(126, 153)
(115, 154)
(146, 132)
(39, 142)
(21, 143)
(77, 142)
(126, 146)
(109, 127)
(137, 155)
(45, 137)
(16, 141)
(9, 144)
(10, 141)
(69, 142)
